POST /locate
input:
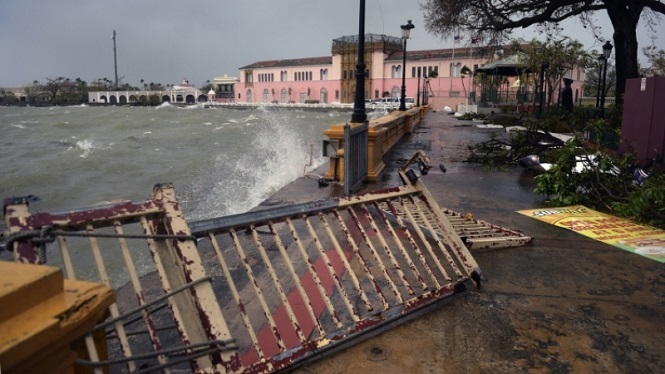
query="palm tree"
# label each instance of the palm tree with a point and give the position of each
(464, 72)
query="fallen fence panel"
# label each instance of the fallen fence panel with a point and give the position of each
(257, 292)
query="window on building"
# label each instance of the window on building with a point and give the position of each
(266, 95)
(397, 72)
(455, 69)
(336, 94)
(283, 95)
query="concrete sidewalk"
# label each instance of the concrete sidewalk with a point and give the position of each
(564, 304)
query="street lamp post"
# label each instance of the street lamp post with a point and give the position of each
(418, 92)
(424, 100)
(359, 115)
(406, 30)
(607, 51)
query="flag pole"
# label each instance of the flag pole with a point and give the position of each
(470, 63)
(452, 66)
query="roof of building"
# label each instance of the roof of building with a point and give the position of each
(369, 38)
(512, 65)
(429, 54)
(326, 60)
(439, 54)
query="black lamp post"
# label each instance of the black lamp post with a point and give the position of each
(359, 114)
(601, 60)
(607, 51)
(406, 30)
(424, 97)
(418, 92)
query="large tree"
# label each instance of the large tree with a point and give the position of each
(447, 17)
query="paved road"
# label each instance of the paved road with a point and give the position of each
(566, 304)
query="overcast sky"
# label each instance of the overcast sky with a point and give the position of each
(164, 41)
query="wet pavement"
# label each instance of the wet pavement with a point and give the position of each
(565, 304)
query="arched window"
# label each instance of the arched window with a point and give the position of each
(283, 95)
(324, 96)
(266, 95)
(396, 92)
(248, 95)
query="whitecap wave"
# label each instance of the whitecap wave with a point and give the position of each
(87, 146)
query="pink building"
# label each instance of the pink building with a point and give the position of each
(331, 79)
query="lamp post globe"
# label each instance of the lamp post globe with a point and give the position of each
(406, 30)
(607, 49)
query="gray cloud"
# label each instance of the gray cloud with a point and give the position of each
(164, 41)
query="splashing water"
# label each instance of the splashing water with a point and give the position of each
(279, 151)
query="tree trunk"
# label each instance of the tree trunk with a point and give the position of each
(624, 18)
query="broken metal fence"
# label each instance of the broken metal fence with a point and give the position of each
(257, 292)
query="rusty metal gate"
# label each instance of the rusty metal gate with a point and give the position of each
(257, 292)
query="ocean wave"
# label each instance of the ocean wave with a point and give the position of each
(165, 104)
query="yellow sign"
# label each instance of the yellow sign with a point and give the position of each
(633, 237)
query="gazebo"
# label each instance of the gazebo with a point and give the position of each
(505, 83)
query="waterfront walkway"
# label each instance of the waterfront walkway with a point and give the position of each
(566, 303)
